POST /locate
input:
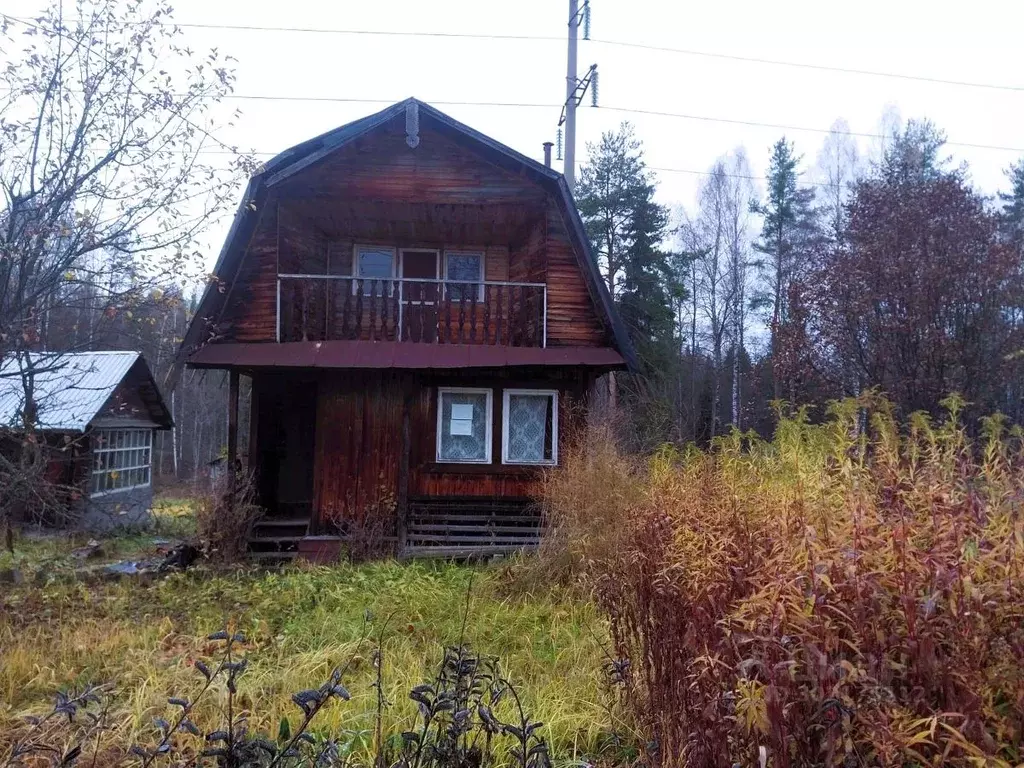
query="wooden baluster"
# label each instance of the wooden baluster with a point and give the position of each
(346, 305)
(517, 333)
(382, 331)
(446, 321)
(325, 321)
(541, 316)
(498, 317)
(304, 314)
(358, 330)
(321, 301)
(421, 311)
(396, 298)
(373, 310)
(474, 320)
(462, 311)
(441, 332)
(487, 313)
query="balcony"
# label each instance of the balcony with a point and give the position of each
(426, 311)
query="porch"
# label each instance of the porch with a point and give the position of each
(347, 460)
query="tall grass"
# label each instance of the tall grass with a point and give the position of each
(836, 596)
(142, 640)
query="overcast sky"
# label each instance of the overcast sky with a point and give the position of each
(979, 42)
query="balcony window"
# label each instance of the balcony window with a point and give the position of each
(464, 273)
(376, 266)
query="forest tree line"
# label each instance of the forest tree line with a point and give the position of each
(892, 273)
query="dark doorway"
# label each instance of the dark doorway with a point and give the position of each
(284, 446)
(419, 296)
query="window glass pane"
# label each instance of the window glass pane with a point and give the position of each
(376, 266)
(529, 428)
(375, 263)
(121, 459)
(463, 426)
(464, 275)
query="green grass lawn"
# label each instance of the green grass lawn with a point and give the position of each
(300, 623)
(50, 551)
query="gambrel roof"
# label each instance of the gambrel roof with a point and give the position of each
(293, 161)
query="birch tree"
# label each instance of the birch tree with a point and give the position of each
(107, 121)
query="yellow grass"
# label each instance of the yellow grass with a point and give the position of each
(300, 623)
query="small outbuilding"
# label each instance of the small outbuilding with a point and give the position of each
(97, 413)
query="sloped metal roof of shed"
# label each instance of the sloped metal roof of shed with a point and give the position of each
(70, 388)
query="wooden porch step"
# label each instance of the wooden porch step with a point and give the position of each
(281, 521)
(273, 556)
(275, 539)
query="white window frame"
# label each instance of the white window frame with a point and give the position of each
(506, 396)
(357, 248)
(98, 449)
(488, 422)
(483, 268)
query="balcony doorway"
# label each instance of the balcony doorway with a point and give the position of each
(420, 299)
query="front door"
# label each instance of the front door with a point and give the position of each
(420, 291)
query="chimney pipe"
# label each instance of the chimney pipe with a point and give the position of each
(547, 153)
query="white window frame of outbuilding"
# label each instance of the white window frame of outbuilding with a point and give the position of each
(101, 442)
(488, 422)
(505, 423)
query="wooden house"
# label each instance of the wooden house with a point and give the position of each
(421, 317)
(96, 413)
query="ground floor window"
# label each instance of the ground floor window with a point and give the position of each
(121, 459)
(530, 427)
(464, 425)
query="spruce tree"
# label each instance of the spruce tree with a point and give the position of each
(786, 243)
(627, 227)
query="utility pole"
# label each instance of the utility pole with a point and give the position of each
(575, 89)
(571, 83)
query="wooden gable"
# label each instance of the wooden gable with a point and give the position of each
(455, 190)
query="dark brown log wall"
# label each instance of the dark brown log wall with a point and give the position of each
(250, 313)
(359, 442)
(572, 318)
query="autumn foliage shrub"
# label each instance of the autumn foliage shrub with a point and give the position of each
(225, 517)
(584, 505)
(850, 593)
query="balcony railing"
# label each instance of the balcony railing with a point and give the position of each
(332, 308)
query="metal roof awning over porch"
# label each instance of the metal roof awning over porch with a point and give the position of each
(396, 354)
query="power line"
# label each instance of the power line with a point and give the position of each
(820, 67)
(616, 43)
(689, 171)
(520, 105)
(624, 110)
